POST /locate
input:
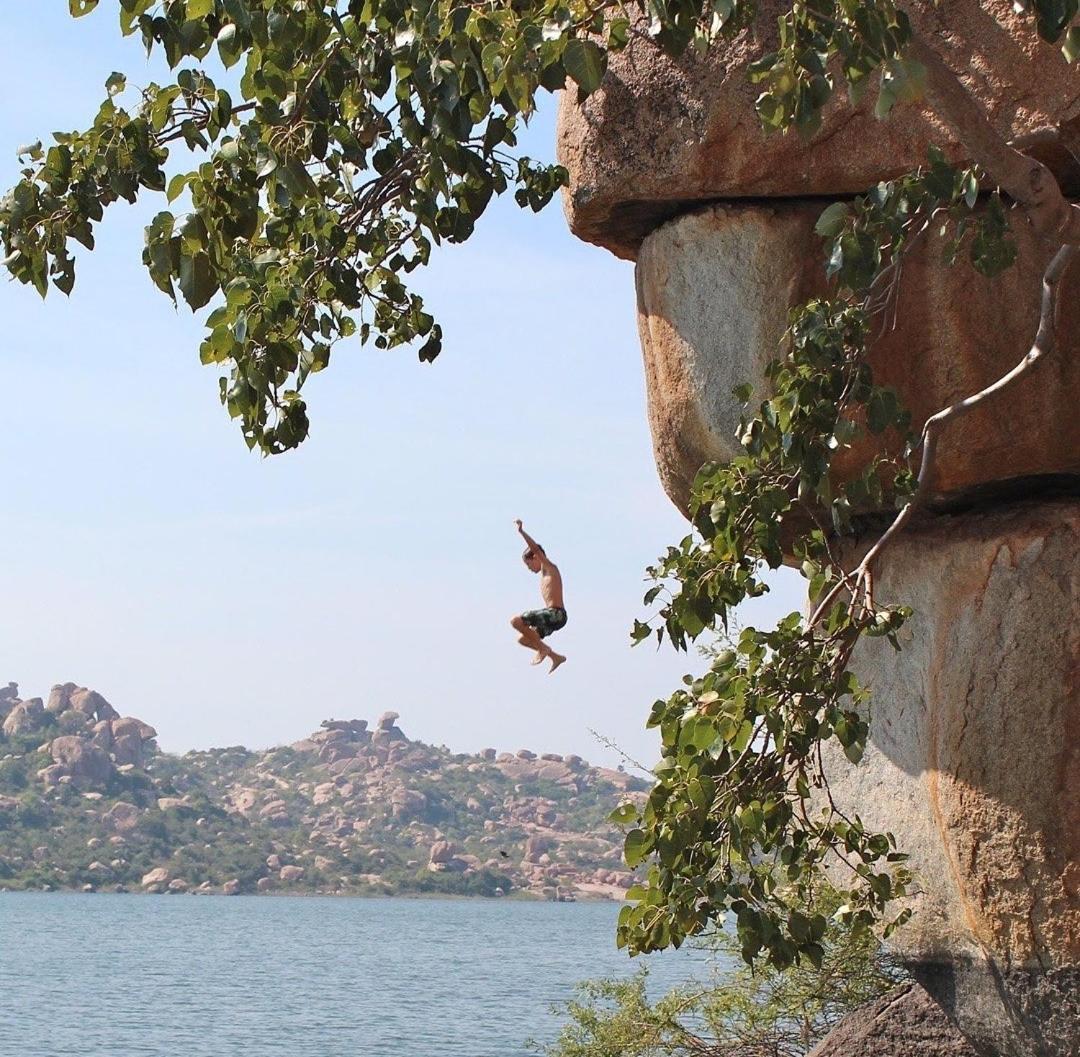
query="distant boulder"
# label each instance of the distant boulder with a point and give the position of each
(81, 759)
(72, 722)
(352, 726)
(122, 817)
(407, 803)
(388, 720)
(25, 717)
(158, 876)
(128, 749)
(51, 775)
(60, 698)
(131, 725)
(537, 847)
(101, 734)
(525, 754)
(442, 851)
(288, 874)
(91, 704)
(323, 793)
(231, 888)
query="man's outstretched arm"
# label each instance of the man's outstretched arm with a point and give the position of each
(532, 544)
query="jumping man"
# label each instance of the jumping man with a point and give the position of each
(535, 625)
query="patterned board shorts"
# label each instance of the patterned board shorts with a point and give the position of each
(545, 621)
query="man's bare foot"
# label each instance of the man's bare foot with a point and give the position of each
(556, 660)
(539, 658)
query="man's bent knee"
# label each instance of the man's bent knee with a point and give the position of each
(518, 623)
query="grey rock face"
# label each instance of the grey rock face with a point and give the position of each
(905, 1023)
(1008, 1010)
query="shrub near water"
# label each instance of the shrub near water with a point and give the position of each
(738, 1012)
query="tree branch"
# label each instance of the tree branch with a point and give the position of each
(1045, 344)
(1025, 179)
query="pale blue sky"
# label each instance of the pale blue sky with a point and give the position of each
(230, 599)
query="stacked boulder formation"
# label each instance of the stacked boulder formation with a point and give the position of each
(973, 763)
(88, 740)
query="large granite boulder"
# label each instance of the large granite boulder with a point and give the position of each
(25, 717)
(130, 725)
(91, 704)
(60, 698)
(661, 135)
(128, 749)
(122, 817)
(906, 1022)
(86, 763)
(714, 291)
(973, 765)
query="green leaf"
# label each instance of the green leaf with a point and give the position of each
(585, 62)
(1071, 47)
(832, 220)
(636, 848)
(196, 280)
(624, 814)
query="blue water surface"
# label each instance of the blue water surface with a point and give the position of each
(143, 976)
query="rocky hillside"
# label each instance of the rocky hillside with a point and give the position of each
(88, 801)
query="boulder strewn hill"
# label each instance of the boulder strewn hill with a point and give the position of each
(88, 801)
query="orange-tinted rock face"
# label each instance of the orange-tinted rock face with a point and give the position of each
(661, 136)
(974, 763)
(714, 291)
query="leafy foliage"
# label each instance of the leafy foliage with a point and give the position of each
(739, 1011)
(351, 139)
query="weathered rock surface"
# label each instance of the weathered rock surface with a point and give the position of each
(25, 716)
(973, 765)
(91, 703)
(60, 698)
(156, 876)
(907, 1022)
(81, 759)
(661, 135)
(714, 291)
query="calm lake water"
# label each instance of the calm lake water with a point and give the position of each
(143, 976)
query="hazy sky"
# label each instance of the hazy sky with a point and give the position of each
(230, 599)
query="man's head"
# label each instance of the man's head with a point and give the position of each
(531, 558)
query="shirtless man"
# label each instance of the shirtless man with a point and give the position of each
(535, 625)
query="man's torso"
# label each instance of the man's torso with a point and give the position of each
(551, 587)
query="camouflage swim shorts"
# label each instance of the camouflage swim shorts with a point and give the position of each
(545, 621)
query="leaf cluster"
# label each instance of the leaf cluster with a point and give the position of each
(350, 140)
